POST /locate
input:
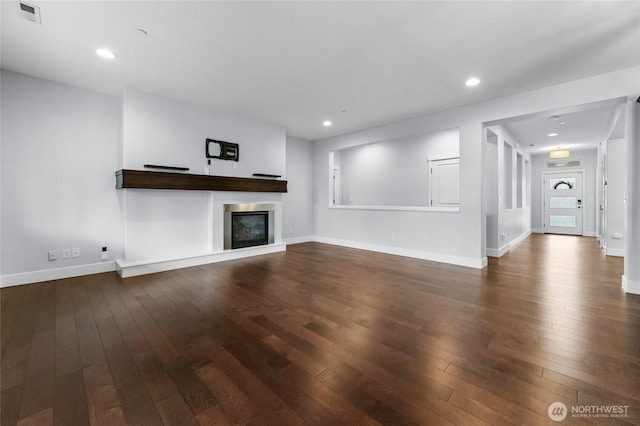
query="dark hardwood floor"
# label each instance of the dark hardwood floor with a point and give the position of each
(328, 335)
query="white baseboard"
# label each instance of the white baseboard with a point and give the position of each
(132, 269)
(614, 252)
(299, 240)
(631, 287)
(417, 254)
(56, 274)
(584, 234)
(508, 246)
(491, 252)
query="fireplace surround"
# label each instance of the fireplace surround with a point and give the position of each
(248, 225)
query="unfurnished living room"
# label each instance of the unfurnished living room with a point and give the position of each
(319, 212)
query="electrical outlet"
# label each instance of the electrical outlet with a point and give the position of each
(66, 253)
(104, 254)
(75, 252)
(291, 230)
(52, 255)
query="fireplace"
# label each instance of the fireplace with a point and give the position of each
(248, 225)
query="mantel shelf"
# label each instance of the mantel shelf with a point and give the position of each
(142, 179)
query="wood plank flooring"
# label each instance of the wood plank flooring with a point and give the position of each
(326, 335)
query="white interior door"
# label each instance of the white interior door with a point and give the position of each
(445, 182)
(563, 203)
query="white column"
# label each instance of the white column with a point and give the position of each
(631, 277)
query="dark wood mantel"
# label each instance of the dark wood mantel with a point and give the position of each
(142, 179)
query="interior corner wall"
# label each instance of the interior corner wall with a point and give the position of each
(297, 211)
(59, 155)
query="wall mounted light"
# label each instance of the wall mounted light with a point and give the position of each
(559, 153)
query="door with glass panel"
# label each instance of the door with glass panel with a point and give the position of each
(563, 203)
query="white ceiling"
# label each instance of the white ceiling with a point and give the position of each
(577, 128)
(295, 64)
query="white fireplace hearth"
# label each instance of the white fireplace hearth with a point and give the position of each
(184, 230)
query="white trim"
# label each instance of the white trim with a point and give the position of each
(396, 208)
(589, 234)
(430, 161)
(630, 287)
(417, 254)
(537, 231)
(443, 157)
(614, 252)
(56, 274)
(508, 246)
(491, 252)
(298, 240)
(132, 269)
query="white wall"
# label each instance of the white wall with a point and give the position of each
(616, 189)
(491, 191)
(59, 155)
(393, 172)
(169, 225)
(631, 277)
(513, 221)
(447, 236)
(158, 130)
(297, 211)
(588, 162)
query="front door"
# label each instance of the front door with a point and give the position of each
(563, 203)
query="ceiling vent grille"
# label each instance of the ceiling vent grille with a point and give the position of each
(555, 164)
(29, 12)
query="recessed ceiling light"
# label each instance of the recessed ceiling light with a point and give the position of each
(563, 122)
(552, 134)
(106, 53)
(555, 117)
(327, 123)
(532, 144)
(141, 32)
(473, 81)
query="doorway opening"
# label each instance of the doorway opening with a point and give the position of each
(562, 203)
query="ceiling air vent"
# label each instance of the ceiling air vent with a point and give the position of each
(29, 12)
(554, 164)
